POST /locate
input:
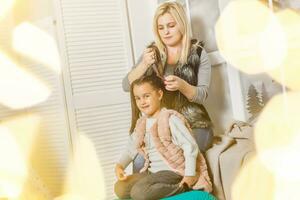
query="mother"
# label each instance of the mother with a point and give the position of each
(184, 66)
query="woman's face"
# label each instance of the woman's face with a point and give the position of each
(168, 30)
(147, 99)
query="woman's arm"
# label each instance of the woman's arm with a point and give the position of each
(174, 83)
(144, 62)
(204, 75)
(197, 94)
(138, 71)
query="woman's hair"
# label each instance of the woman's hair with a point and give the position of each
(176, 10)
(155, 82)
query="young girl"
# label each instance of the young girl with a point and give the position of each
(173, 163)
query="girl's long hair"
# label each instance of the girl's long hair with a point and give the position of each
(156, 83)
(176, 10)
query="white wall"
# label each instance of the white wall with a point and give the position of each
(140, 16)
(204, 14)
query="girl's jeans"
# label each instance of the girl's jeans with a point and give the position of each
(150, 186)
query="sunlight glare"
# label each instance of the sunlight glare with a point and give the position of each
(277, 135)
(290, 69)
(19, 89)
(80, 183)
(37, 45)
(13, 170)
(5, 7)
(250, 37)
(254, 181)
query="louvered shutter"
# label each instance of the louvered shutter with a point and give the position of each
(50, 151)
(94, 40)
(6, 26)
(52, 148)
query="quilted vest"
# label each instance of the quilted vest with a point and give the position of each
(195, 113)
(171, 153)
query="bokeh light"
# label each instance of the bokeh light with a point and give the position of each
(85, 177)
(288, 74)
(254, 181)
(25, 129)
(19, 89)
(17, 137)
(36, 44)
(13, 170)
(250, 37)
(277, 135)
(5, 7)
(254, 40)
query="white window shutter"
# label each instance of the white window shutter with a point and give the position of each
(93, 35)
(50, 151)
(6, 26)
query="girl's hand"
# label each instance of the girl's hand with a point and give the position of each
(120, 173)
(189, 180)
(148, 57)
(174, 83)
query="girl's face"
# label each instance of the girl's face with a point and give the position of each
(147, 99)
(168, 30)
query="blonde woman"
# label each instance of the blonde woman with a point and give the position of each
(185, 68)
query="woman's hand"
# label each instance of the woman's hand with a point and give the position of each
(148, 57)
(189, 180)
(174, 83)
(147, 60)
(120, 173)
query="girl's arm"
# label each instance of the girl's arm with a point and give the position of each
(129, 153)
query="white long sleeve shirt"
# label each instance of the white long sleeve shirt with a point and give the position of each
(180, 137)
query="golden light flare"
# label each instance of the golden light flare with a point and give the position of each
(16, 140)
(286, 189)
(19, 89)
(274, 172)
(254, 181)
(6, 5)
(277, 135)
(38, 45)
(250, 37)
(25, 129)
(254, 40)
(85, 177)
(288, 74)
(13, 170)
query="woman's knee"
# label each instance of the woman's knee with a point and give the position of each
(121, 190)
